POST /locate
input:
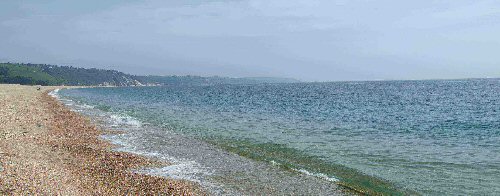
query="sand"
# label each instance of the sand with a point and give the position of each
(47, 149)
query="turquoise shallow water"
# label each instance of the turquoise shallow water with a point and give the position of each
(431, 137)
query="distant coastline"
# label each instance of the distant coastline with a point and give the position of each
(54, 75)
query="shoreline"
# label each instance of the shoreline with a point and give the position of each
(93, 165)
(47, 149)
(216, 170)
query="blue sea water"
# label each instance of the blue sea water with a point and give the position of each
(428, 137)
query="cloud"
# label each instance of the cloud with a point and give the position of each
(306, 39)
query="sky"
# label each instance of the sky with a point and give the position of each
(310, 40)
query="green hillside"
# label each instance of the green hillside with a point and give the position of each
(42, 74)
(19, 74)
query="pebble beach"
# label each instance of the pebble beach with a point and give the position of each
(47, 149)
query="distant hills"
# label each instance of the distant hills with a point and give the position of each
(42, 74)
(214, 80)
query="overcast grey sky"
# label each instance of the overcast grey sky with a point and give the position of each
(311, 40)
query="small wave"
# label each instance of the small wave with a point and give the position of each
(116, 120)
(318, 175)
(85, 106)
(274, 163)
(54, 93)
(121, 120)
(180, 168)
(184, 170)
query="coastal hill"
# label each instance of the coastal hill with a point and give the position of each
(43, 74)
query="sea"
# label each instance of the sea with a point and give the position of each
(431, 137)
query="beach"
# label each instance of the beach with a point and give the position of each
(47, 149)
(252, 139)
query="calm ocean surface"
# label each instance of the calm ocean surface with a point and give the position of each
(430, 137)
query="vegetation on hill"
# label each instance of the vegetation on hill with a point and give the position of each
(20, 74)
(42, 74)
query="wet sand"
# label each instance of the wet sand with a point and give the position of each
(47, 149)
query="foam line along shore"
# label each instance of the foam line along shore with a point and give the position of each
(218, 171)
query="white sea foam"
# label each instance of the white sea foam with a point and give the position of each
(85, 106)
(180, 169)
(54, 93)
(121, 120)
(183, 170)
(274, 163)
(318, 175)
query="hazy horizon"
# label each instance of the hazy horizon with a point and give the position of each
(314, 40)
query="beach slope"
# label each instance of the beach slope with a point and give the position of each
(47, 149)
